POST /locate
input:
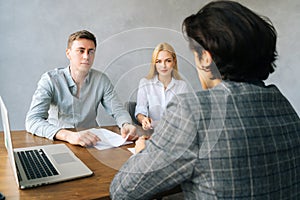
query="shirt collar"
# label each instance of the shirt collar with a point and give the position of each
(171, 84)
(155, 79)
(69, 78)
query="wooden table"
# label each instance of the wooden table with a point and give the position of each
(103, 163)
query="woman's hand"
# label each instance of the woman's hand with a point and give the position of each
(146, 123)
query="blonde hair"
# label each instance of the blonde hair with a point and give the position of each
(163, 47)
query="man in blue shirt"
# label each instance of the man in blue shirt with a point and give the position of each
(68, 98)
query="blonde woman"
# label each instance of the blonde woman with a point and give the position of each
(159, 86)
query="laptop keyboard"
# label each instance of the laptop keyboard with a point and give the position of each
(36, 164)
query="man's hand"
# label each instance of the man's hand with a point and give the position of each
(82, 138)
(140, 144)
(129, 129)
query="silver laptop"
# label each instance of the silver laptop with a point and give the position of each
(41, 165)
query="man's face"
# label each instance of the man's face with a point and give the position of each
(81, 54)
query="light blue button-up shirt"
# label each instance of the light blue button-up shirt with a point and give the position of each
(55, 106)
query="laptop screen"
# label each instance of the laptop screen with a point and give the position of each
(7, 137)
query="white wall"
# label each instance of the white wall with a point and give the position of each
(34, 36)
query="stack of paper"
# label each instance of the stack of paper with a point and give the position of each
(108, 139)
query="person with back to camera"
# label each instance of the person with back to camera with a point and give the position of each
(68, 98)
(159, 86)
(236, 139)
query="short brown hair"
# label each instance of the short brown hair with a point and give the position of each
(81, 34)
(242, 43)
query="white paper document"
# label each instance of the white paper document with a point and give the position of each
(132, 150)
(108, 139)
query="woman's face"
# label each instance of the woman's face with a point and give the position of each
(164, 63)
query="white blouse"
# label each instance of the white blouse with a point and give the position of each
(152, 98)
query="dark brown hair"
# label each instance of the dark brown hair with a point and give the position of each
(241, 43)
